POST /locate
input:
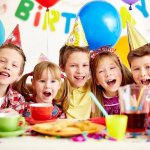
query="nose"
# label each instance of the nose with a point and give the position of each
(47, 85)
(143, 72)
(79, 69)
(107, 72)
(7, 66)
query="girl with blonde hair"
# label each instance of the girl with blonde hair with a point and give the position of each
(46, 81)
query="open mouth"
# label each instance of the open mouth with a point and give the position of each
(145, 82)
(47, 94)
(80, 78)
(111, 82)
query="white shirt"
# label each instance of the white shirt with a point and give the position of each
(2, 100)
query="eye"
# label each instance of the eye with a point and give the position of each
(15, 65)
(53, 81)
(136, 69)
(86, 65)
(101, 71)
(112, 68)
(147, 67)
(72, 65)
(42, 81)
(2, 60)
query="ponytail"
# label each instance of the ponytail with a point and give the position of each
(22, 87)
(64, 100)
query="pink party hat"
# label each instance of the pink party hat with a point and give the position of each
(42, 58)
(14, 37)
(77, 36)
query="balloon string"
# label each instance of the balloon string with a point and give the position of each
(48, 13)
(46, 19)
(131, 13)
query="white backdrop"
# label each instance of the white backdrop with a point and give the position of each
(35, 40)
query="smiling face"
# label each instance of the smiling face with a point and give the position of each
(46, 87)
(77, 69)
(108, 75)
(140, 68)
(10, 66)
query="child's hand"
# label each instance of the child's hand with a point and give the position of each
(9, 110)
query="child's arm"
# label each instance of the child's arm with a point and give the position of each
(56, 113)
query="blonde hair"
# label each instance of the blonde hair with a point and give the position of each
(22, 86)
(64, 54)
(19, 50)
(97, 89)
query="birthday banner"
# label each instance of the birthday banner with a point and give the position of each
(45, 24)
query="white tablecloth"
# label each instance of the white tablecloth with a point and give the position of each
(50, 143)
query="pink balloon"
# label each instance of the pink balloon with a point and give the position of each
(130, 2)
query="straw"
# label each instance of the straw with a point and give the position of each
(140, 96)
(133, 100)
(98, 104)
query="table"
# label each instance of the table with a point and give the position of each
(30, 141)
(52, 143)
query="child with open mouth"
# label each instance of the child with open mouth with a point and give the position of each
(46, 81)
(108, 74)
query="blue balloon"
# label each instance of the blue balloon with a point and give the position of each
(2, 33)
(101, 23)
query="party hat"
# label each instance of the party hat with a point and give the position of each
(14, 37)
(77, 36)
(135, 39)
(42, 58)
(102, 49)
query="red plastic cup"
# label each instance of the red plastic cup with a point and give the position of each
(41, 111)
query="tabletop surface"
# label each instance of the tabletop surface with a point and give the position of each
(47, 143)
(35, 141)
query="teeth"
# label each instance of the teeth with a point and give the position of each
(110, 80)
(79, 77)
(145, 81)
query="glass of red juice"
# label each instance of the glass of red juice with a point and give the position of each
(134, 102)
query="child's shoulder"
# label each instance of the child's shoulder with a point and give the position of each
(12, 91)
(14, 97)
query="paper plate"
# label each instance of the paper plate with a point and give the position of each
(66, 128)
(32, 121)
